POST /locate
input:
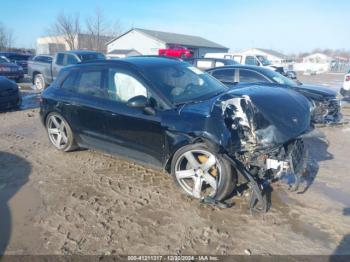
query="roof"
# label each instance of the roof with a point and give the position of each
(272, 52)
(80, 52)
(122, 51)
(173, 38)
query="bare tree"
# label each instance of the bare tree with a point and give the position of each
(100, 30)
(68, 27)
(6, 38)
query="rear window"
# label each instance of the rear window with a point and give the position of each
(92, 56)
(18, 57)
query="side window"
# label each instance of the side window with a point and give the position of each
(69, 82)
(204, 64)
(218, 63)
(237, 58)
(123, 86)
(90, 83)
(225, 75)
(70, 60)
(59, 59)
(251, 60)
(247, 76)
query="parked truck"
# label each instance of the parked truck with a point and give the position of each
(44, 71)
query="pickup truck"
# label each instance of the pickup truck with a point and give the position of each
(44, 71)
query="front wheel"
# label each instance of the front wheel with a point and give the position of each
(201, 173)
(60, 133)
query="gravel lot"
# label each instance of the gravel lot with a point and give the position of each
(86, 202)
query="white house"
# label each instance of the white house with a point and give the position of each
(273, 56)
(148, 42)
(314, 63)
(53, 44)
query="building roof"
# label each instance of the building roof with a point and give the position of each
(122, 51)
(173, 38)
(272, 52)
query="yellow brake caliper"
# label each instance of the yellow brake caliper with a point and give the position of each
(213, 171)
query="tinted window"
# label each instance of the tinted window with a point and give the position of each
(16, 57)
(69, 82)
(90, 83)
(3, 60)
(251, 60)
(122, 86)
(247, 76)
(225, 75)
(70, 60)
(91, 56)
(59, 60)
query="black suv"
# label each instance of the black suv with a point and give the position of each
(169, 114)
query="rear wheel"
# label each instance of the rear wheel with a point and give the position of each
(39, 82)
(201, 173)
(60, 133)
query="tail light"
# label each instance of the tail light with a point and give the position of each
(347, 78)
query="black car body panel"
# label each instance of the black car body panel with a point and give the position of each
(9, 94)
(326, 105)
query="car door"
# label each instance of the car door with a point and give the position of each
(139, 135)
(87, 104)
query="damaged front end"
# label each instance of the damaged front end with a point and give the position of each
(266, 137)
(326, 112)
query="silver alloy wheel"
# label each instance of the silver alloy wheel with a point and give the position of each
(194, 176)
(38, 82)
(57, 130)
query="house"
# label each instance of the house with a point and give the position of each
(148, 42)
(314, 63)
(273, 56)
(53, 44)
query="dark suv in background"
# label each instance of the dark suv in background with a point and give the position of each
(18, 58)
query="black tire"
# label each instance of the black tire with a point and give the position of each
(228, 179)
(39, 82)
(71, 144)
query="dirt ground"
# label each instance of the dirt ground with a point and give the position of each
(86, 202)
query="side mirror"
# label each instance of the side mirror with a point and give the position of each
(138, 102)
(142, 103)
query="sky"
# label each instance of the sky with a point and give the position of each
(288, 26)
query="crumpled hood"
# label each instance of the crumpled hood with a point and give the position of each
(254, 116)
(322, 92)
(277, 115)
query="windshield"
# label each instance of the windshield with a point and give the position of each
(182, 83)
(280, 79)
(3, 60)
(91, 56)
(263, 60)
(18, 57)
